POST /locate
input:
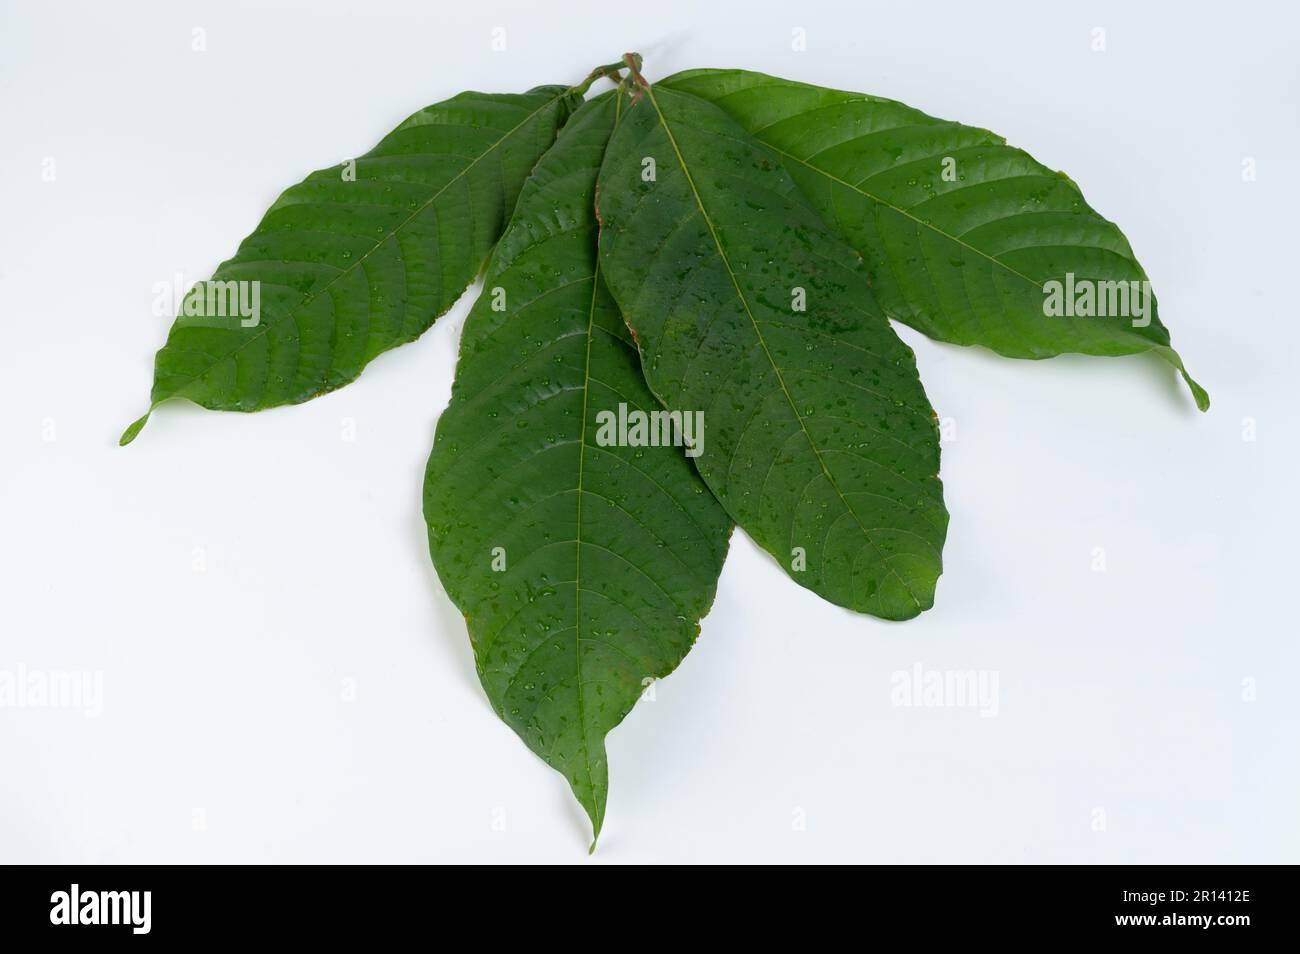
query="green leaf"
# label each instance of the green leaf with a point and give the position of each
(582, 569)
(820, 441)
(358, 258)
(960, 232)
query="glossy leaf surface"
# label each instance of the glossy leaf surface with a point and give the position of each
(967, 239)
(583, 566)
(820, 441)
(358, 258)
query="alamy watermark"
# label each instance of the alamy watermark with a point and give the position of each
(636, 428)
(1088, 298)
(128, 908)
(919, 687)
(25, 688)
(210, 302)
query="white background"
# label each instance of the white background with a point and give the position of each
(231, 576)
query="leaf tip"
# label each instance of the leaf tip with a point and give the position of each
(134, 429)
(1199, 394)
(597, 815)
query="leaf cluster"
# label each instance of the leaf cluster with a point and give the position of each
(684, 325)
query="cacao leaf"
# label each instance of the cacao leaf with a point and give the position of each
(357, 258)
(967, 239)
(582, 567)
(819, 439)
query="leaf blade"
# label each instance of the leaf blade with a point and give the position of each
(875, 169)
(611, 553)
(790, 400)
(357, 258)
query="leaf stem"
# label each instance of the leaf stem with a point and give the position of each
(633, 63)
(610, 71)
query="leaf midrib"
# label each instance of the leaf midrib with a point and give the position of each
(577, 545)
(903, 212)
(740, 294)
(597, 803)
